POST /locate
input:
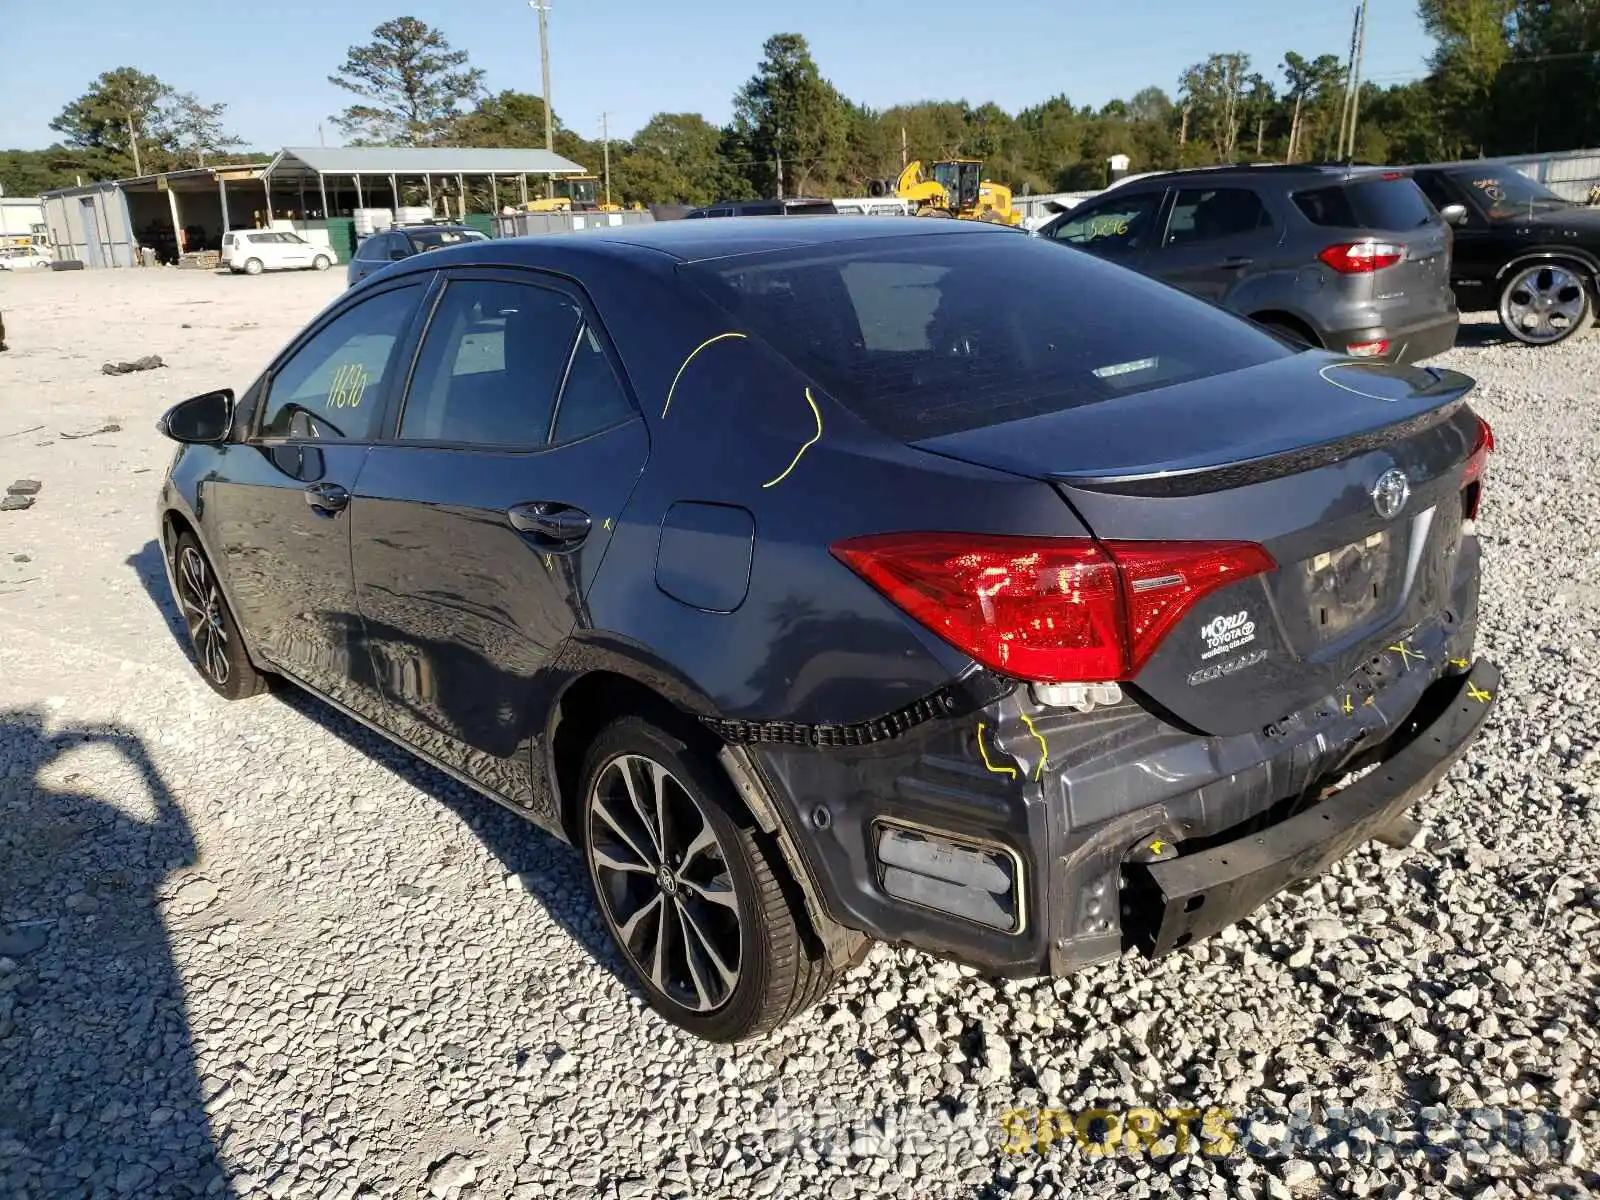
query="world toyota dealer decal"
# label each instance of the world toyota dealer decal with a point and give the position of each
(1225, 634)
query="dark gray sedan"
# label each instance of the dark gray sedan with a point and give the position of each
(395, 245)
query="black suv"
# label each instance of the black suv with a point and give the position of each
(1347, 258)
(1520, 249)
(401, 242)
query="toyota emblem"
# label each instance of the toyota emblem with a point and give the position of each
(1390, 493)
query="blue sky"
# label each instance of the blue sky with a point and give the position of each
(635, 57)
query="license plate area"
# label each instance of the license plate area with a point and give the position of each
(1346, 588)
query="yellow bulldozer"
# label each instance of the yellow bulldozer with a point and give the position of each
(573, 193)
(956, 188)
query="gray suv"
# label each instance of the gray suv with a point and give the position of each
(1351, 259)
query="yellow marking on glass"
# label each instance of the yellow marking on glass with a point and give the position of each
(709, 341)
(606, 524)
(1460, 663)
(815, 438)
(1474, 692)
(984, 751)
(1347, 707)
(1044, 746)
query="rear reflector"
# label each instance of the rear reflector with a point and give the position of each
(1472, 477)
(1052, 610)
(1362, 258)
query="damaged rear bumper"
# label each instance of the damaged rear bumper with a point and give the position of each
(1195, 895)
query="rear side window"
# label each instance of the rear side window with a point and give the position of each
(491, 362)
(1392, 204)
(1205, 215)
(930, 335)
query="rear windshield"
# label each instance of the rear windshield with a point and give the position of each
(1371, 204)
(937, 334)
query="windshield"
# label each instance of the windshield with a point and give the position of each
(1506, 193)
(928, 335)
(433, 239)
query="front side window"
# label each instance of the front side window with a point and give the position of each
(492, 360)
(334, 385)
(1502, 192)
(1113, 227)
(1209, 214)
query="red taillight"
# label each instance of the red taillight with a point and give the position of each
(1362, 258)
(1368, 349)
(1056, 610)
(1472, 477)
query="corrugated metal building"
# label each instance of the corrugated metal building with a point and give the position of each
(104, 224)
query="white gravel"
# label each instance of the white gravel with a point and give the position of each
(252, 950)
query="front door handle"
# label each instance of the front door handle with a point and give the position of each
(558, 524)
(1238, 263)
(327, 498)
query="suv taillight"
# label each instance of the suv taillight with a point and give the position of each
(1362, 258)
(1472, 477)
(1056, 610)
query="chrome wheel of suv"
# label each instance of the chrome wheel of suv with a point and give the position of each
(1545, 304)
(663, 879)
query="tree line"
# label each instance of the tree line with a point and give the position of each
(1505, 76)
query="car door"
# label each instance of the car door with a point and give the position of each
(1214, 237)
(278, 503)
(478, 527)
(1477, 251)
(1119, 227)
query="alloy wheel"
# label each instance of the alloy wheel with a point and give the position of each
(203, 613)
(1544, 303)
(663, 879)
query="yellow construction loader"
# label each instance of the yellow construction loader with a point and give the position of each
(957, 188)
(574, 193)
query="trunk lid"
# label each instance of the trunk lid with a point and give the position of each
(1289, 455)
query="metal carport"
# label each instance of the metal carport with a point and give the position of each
(374, 176)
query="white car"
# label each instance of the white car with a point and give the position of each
(23, 258)
(256, 250)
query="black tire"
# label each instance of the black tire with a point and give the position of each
(1544, 304)
(219, 653)
(778, 973)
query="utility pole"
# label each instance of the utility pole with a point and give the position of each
(904, 157)
(542, 7)
(605, 141)
(778, 150)
(1349, 76)
(133, 141)
(1355, 94)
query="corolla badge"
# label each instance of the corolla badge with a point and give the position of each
(1390, 493)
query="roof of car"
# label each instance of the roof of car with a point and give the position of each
(1333, 170)
(691, 241)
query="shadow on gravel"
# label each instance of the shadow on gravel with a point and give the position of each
(548, 869)
(151, 569)
(1475, 335)
(98, 1091)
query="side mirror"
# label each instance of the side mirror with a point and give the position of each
(201, 420)
(1454, 214)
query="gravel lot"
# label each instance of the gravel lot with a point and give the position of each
(251, 950)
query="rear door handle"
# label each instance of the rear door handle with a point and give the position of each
(327, 498)
(1238, 263)
(558, 524)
